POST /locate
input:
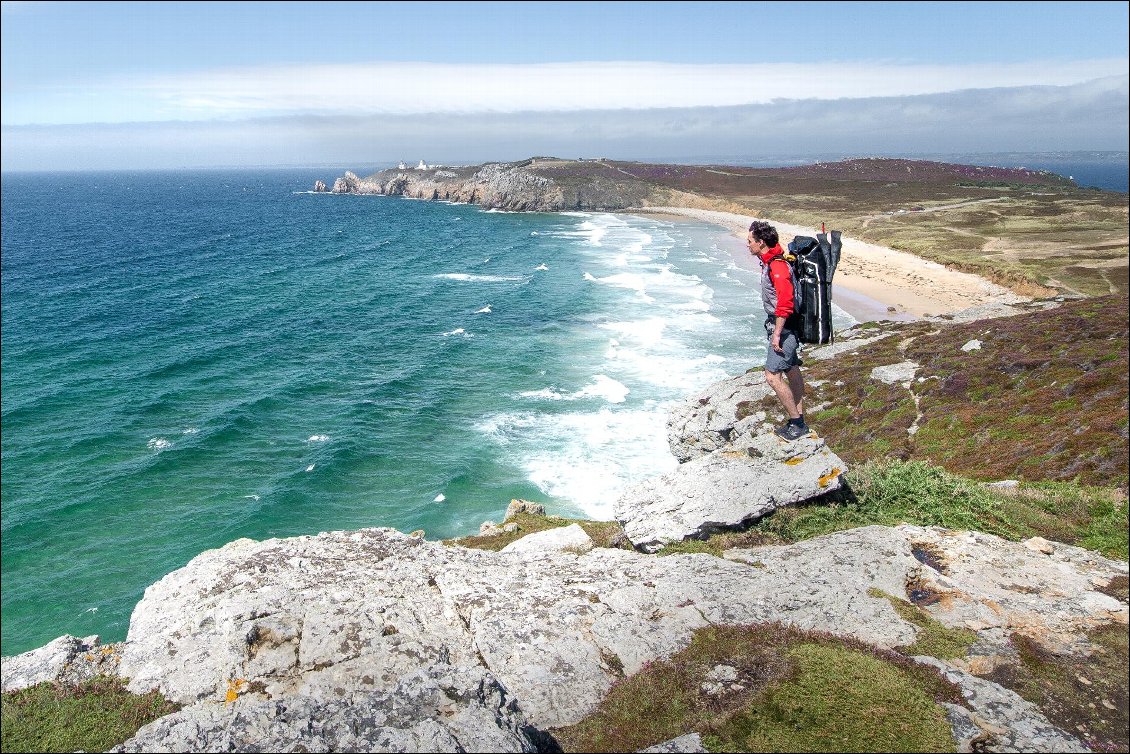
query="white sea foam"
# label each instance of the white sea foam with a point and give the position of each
(317, 438)
(251, 497)
(541, 267)
(158, 444)
(467, 278)
(602, 386)
(628, 280)
(585, 457)
(309, 468)
(645, 331)
(439, 498)
(589, 232)
(678, 372)
(693, 306)
(484, 310)
(659, 348)
(190, 431)
(665, 352)
(456, 331)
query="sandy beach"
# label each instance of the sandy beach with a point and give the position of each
(874, 282)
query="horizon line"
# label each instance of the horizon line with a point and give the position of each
(677, 160)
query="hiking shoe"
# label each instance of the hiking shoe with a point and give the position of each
(792, 432)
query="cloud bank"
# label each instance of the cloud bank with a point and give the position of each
(409, 88)
(1084, 116)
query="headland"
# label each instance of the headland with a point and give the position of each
(920, 238)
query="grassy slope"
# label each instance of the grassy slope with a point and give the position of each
(90, 716)
(1023, 229)
(1044, 398)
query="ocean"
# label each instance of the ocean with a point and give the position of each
(194, 357)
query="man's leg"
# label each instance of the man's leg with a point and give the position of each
(796, 387)
(782, 386)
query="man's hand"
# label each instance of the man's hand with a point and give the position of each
(775, 341)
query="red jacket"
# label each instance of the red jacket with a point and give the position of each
(782, 280)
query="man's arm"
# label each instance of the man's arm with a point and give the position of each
(783, 284)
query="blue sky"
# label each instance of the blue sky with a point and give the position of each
(166, 84)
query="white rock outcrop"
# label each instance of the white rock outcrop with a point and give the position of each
(1002, 716)
(67, 657)
(351, 612)
(571, 538)
(711, 420)
(727, 489)
(308, 638)
(438, 709)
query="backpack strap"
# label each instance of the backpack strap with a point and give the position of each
(780, 258)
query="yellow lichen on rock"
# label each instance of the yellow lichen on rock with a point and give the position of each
(825, 480)
(235, 688)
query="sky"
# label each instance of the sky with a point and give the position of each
(156, 85)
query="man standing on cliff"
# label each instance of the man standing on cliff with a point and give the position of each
(782, 362)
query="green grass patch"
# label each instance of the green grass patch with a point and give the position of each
(527, 524)
(94, 715)
(890, 492)
(831, 414)
(879, 447)
(933, 639)
(768, 687)
(606, 534)
(719, 543)
(602, 533)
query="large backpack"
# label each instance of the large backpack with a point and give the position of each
(813, 262)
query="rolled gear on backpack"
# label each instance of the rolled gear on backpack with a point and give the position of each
(831, 252)
(813, 262)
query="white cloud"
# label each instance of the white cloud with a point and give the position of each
(1089, 116)
(404, 88)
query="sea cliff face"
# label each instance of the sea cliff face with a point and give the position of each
(527, 186)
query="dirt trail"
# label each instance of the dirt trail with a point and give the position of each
(867, 219)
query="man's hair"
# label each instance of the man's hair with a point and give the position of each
(764, 232)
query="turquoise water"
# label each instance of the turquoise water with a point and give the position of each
(189, 358)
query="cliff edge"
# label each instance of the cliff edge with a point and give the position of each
(379, 641)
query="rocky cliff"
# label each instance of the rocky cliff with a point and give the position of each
(536, 185)
(379, 641)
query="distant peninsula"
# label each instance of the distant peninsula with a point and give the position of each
(546, 184)
(1032, 232)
